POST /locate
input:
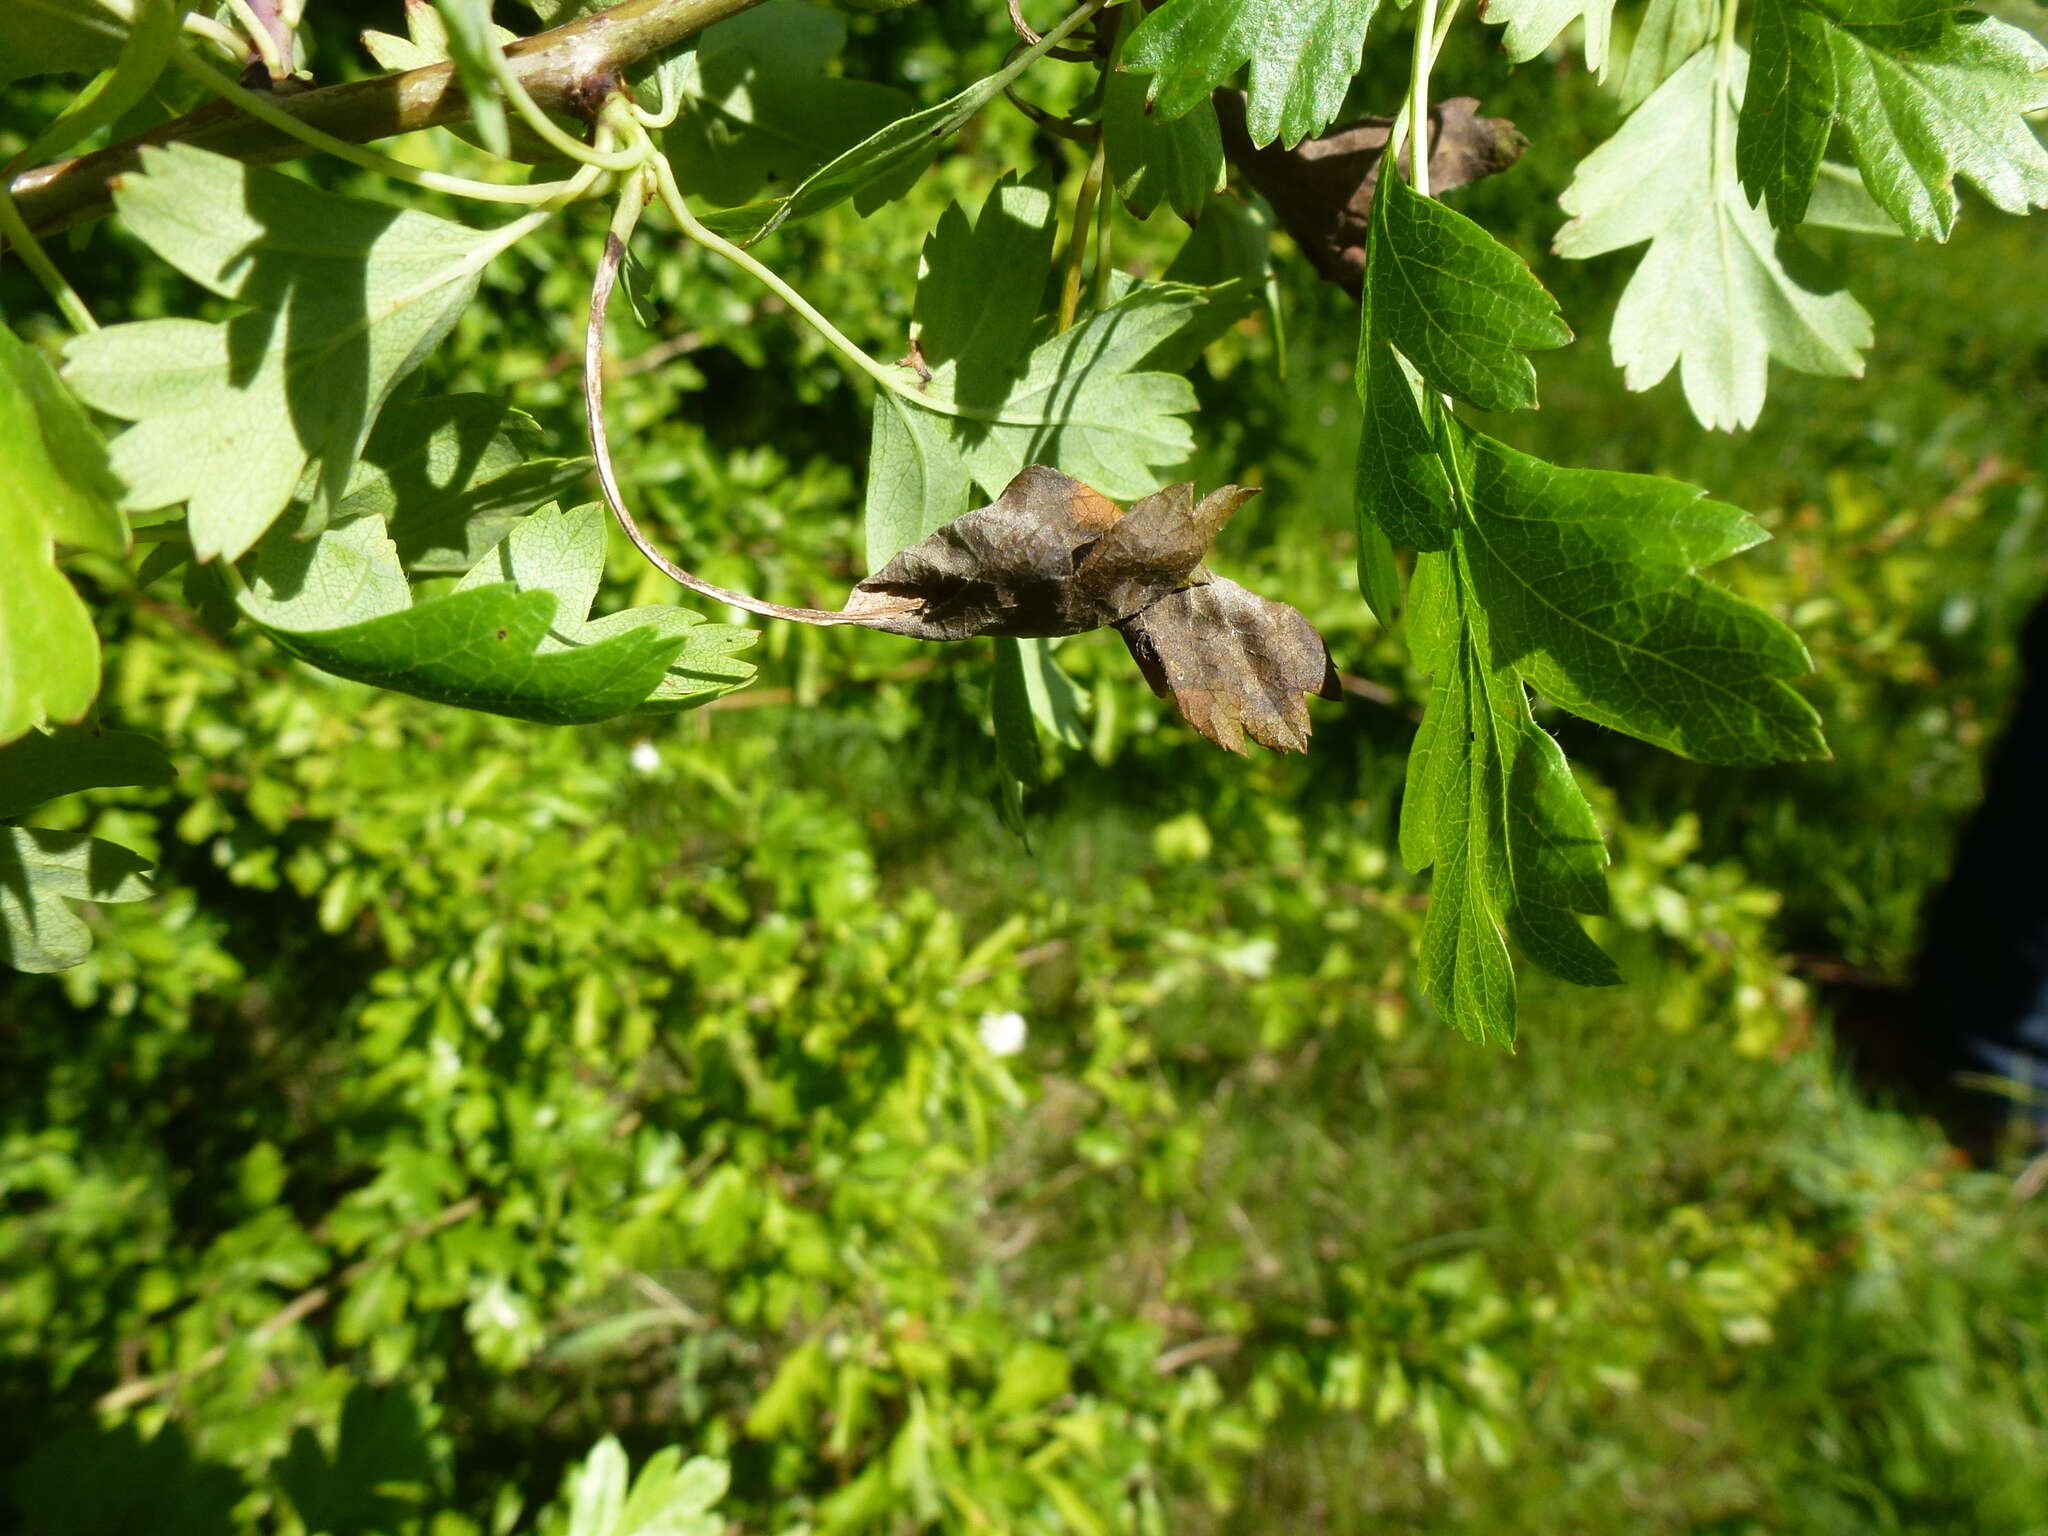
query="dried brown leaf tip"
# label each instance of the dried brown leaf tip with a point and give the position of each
(1050, 556)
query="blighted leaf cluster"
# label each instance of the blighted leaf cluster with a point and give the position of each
(1052, 557)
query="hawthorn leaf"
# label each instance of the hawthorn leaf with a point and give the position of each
(1154, 159)
(1233, 247)
(671, 1497)
(1453, 809)
(1492, 807)
(759, 107)
(1586, 578)
(1787, 107)
(917, 479)
(1446, 309)
(971, 329)
(345, 298)
(980, 291)
(1532, 25)
(42, 871)
(1456, 303)
(1923, 93)
(1917, 120)
(41, 767)
(55, 487)
(1009, 707)
(1089, 403)
(450, 477)
(885, 164)
(512, 639)
(1713, 295)
(1302, 55)
(1670, 33)
(1058, 703)
(1841, 201)
(1085, 401)
(1584, 586)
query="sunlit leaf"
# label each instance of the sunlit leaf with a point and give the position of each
(345, 298)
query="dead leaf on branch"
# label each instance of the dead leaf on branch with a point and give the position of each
(1235, 663)
(1051, 556)
(1322, 189)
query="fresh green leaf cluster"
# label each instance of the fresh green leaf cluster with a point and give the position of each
(1723, 162)
(1580, 584)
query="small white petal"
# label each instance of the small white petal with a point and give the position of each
(1002, 1034)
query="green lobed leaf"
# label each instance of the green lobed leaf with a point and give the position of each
(1670, 33)
(1582, 585)
(875, 171)
(450, 477)
(41, 767)
(1057, 702)
(1714, 295)
(1155, 159)
(512, 639)
(54, 467)
(1454, 301)
(346, 297)
(1787, 109)
(1918, 120)
(1924, 94)
(1301, 56)
(1533, 25)
(42, 871)
(1095, 402)
(1446, 309)
(1586, 578)
(759, 107)
(54, 487)
(1010, 713)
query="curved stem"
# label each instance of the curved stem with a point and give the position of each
(632, 199)
(558, 67)
(538, 120)
(151, 32)
(1418, 93)
(37, 260)
(1077, 242)
(881, 373)
(671, 104)
(264, 110)
(229, 43)
(1397, 136)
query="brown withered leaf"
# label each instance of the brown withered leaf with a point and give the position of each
(1237, 664)
(1047, 557)
(1052, 557)
(1321, 190)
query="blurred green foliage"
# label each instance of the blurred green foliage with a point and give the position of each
(475, 1091)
